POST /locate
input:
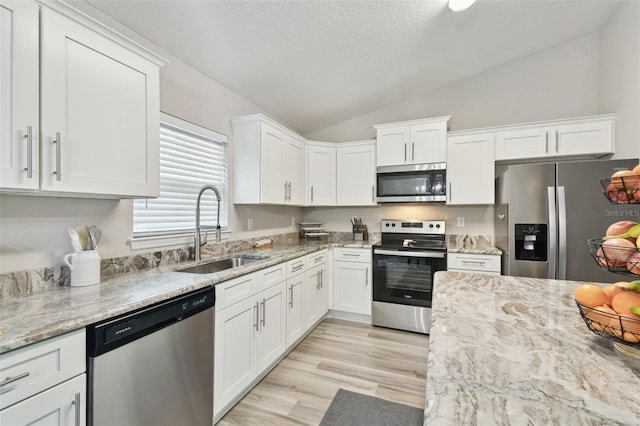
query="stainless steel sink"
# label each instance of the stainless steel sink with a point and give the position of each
(222, 265)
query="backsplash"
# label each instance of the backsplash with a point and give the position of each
(35, 280)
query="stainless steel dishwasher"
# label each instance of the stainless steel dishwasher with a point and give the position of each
(154, 366)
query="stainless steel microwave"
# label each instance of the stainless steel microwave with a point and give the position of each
(415, 183)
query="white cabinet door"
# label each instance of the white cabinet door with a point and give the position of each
(62, 405)
(470, 169)
(271, 340)
(296, 312)
(392, 145)
(312, 293)
(522, 143)
(322, 300)
(273, 189)
(321, 173)
(584, 138)
(356, 175)
(352, 287)
(99, 113)
(19, 81)
(294, 171)
(428, 143)
(236, 328)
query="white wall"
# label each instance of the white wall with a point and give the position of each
(620, 76)
(555, 83)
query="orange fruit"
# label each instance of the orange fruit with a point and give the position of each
(590, 295)
(601, 317)
(623, 301)
(610, 291)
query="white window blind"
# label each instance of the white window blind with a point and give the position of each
(190, 157)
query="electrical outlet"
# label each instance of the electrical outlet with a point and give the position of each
(249, 224)
(293, 221)
(460, 222)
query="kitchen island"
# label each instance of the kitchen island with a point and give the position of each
(515, 351)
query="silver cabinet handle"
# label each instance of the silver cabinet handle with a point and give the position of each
(9, 380)
(256, 325)
(291, 296)
(58, 171)
(413, 151)
(312, 193)
(318, 280)
(263, 314)
(289, 191)
(557, 141)
(76, 402)
(29, 168)
(449, 192)
(373, 193)
(297, 267)
(285, 191)
(405, 152)
(474, 262)
(546, 142)
(321, 278)
(350, 254)
(366, 276)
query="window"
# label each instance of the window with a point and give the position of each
(190, 157)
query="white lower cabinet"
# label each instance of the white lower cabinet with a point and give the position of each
(352, 280)
(296, 311)
(258, 317)
(45, 383)
(249, 336)
(64, 404)
(473, 262)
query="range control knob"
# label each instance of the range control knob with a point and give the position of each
(431, 225)
(386, 224)
(438, 225)
(393, 225)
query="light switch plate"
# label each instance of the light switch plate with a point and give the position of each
(460, 222)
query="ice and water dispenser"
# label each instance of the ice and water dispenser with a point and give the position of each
(531, 242)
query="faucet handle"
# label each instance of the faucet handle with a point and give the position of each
(202, 238)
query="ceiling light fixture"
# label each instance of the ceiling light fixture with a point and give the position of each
(459, 5)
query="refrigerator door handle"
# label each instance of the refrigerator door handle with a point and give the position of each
(562, 234)
(553, 231)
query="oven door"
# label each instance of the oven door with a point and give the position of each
(405, 277)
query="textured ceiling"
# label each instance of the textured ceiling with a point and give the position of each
(316, 63)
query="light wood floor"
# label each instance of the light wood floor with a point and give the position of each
(386, 363)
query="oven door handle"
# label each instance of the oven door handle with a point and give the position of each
(410, 253)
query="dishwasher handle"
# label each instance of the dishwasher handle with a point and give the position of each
(108, 335)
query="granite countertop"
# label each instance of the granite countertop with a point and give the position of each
(515, 351)
(476, 244)
(31, 318)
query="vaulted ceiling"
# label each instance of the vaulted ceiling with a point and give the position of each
(316, 63)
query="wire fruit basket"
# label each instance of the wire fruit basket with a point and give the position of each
(622, 190)
(623, 331)
(617, 259)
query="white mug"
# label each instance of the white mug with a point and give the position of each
(85, 267)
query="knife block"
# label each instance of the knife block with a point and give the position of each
(360, 233)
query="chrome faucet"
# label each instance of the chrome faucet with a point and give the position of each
(199, 241)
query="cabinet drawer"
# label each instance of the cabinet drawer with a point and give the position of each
(235, 290)
(295, 266)
(352, 254)
(473, 262)
(317, 258)
(40, 366)
(272, 275)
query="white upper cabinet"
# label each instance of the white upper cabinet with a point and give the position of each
(588, 136)
(470, 168)
(19, 117)
(99, 107)
(412, 142)
(321, 174)
(356, 177)
(268, 162)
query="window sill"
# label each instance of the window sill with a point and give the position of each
(182, 239)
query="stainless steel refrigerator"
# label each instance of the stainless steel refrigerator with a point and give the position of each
(545, 213)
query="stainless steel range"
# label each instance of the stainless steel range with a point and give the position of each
(404, 262)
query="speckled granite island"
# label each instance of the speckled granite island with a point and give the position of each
(514, 351)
